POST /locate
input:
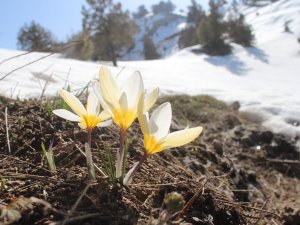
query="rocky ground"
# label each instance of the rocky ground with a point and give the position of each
(236, 172)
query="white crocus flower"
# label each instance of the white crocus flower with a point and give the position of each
(156, 130)
(156, 134)
(87, 117)
(121, 102)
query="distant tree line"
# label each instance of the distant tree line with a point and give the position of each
(108, 31)
(212, 31)
(258, 2)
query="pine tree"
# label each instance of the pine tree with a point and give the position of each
(240, 32)
(188, 36)
(195, 13)
(34, 37)
(141, 12)
(110, 27)
(210, 31)
(149, 49)
(163, 7)
(237, 29)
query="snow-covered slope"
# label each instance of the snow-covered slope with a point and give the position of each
(163, 30)
(264, 79)
(269, 22)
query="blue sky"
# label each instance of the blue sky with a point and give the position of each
(61, 17)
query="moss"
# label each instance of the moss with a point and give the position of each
(201, 108)
(3, 100)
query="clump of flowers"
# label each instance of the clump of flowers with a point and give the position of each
(123, 104)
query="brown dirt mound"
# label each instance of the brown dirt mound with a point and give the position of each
(246, 185)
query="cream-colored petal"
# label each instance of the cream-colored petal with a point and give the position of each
(133, 88)
(144, 123)
(141, 103)
(143, 116)
(66, 115)
(105, 123)
(73, 102)
(151, 99)
(82, 125)
(93, 104)
(161, 118)
(109, 88)
(182, 137)
(128, 177)
(97, 92)
(104, 115)
(123, 102)
(111, 108)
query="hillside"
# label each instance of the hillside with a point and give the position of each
(162, 29)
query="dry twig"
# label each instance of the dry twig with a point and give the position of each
(287, 161)
(15, 56)
(76, 203)
(7, 134)
(36, 60)
(191, 201)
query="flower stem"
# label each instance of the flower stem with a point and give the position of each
(120, 154)
(89, 137)
(122, 141)
(89, 159)
(130, 174)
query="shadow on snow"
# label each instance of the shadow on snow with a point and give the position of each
(230, 62)
(234, 64)
(258, 54)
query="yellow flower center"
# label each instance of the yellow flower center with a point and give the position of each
(90, 121)
(123, 118)
(152, 145)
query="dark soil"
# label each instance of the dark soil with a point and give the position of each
(253, 174)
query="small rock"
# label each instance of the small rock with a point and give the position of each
(266, 137)
(218, 147)
(235, 105)
(231, 121)
(252, 177)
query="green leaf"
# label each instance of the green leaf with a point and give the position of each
(109, 165)
(49, 156)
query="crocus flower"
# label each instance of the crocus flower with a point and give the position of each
(156, 133)
(121, 103)
(156, 129)
(88, 117)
